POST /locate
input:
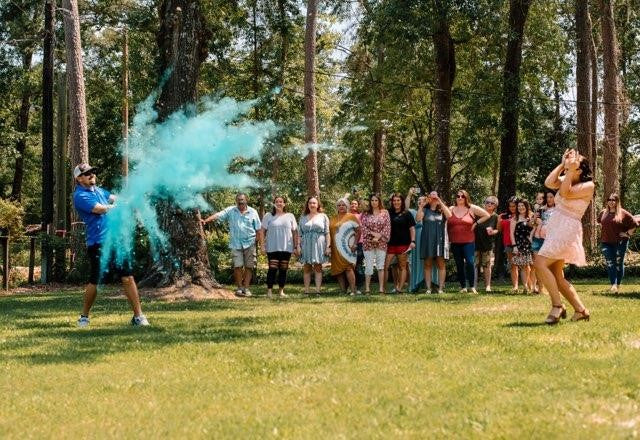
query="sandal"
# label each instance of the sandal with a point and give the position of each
(553, 319)
(584, 315)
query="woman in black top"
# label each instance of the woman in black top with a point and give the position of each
(401, 241)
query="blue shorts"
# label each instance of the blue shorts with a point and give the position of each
(536, 244)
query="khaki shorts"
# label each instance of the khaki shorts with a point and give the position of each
(484, 259)
(244, 257)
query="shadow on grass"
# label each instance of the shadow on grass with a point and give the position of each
(619, 295)
(520, 324)
(38, 332)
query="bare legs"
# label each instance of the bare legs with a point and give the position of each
(367, 282)
(242, 277)
(525, 275)
(90, 293)
(551, 274)
(347, 279)
(514, 271)
(316, 269)
(130, 291)
(401, 276)
(442, 272)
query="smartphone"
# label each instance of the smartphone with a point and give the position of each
(417, 190)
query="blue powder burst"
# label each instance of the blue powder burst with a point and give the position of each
(177, 160)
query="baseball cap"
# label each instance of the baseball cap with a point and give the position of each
(83, 168)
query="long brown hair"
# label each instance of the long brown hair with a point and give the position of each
(467, 199)
(618, 217)
(284, 199)
(306, 205)
(370, 207)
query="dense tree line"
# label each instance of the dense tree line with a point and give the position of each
(484, 95)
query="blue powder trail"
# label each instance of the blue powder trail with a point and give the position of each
(177, 160)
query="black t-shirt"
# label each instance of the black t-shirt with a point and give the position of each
(484, 241)
(400, 225)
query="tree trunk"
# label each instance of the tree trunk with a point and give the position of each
(62, 170)
(625, 129)
(125, 106)
(583, 107)
(593, 54)
(78, 137)
(583, 79)
(182, 41)
(310, 134)
(611, 152)
(379, 149)
(62, 175)
(518, 11)
(445, 71)
(22, 124)
(47, 137)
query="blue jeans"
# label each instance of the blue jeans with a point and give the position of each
(464, 256)
(614, 256)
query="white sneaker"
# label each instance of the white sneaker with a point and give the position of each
(239, 292)
(473, 290)
(358, 292)
(464, 290)
(614, 288)
(139, 321)
(428, 291)
(487, 289)
(283, 295)
(83, 321)
(247, 292)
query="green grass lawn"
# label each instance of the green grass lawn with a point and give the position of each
(416, 366)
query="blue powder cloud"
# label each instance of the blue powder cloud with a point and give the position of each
(179, 159)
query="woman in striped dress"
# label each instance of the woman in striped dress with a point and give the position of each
(315, 242)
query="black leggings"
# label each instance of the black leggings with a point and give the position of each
(278, 263)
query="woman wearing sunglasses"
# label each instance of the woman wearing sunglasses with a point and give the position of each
(617, 226)
(460, 226)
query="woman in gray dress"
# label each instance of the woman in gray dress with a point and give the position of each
(433, 214)
(315, 242)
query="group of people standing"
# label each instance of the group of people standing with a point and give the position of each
(538, 241)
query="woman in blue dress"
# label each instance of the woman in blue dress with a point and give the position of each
(315, 242)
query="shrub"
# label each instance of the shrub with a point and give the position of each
(11, 216)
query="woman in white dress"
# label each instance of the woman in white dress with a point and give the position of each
(563, 242)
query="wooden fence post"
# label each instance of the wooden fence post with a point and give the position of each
(5, 261)
(32, 258)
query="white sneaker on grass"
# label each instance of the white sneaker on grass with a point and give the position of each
(139, 321)
(247, 292)
(83, 321)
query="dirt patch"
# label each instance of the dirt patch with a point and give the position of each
(187, 293)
